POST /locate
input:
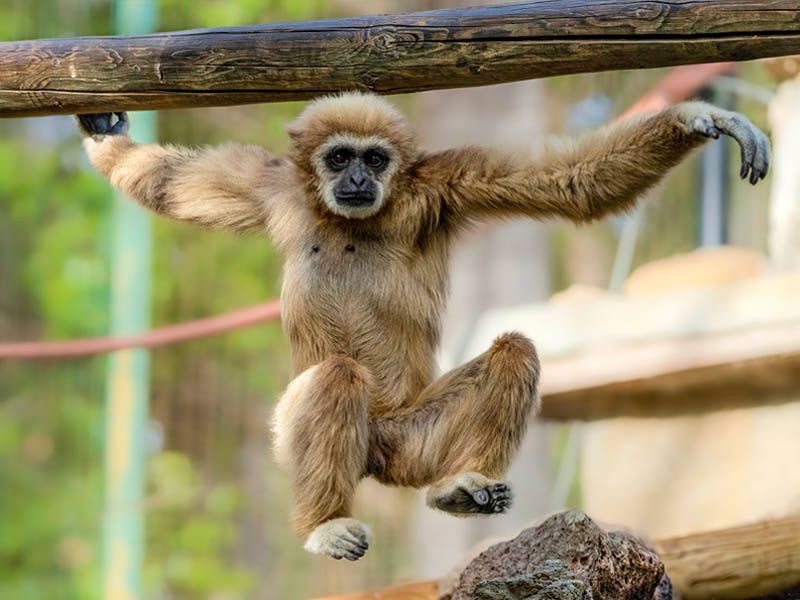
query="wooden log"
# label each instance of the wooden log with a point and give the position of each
(424, 590)
(387, 54)
(665, 378)
(728, 564)
(737, 563)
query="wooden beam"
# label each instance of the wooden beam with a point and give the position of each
(668, 377)
(386, 54)
(737, 563)
(728, 564)
(423, 590)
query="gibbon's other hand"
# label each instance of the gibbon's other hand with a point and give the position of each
(102, 123)
(712, 122)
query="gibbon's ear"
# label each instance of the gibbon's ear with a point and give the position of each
(294, 131)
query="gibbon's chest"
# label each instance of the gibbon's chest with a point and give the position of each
(351, 293)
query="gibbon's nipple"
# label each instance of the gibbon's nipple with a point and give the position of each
(315, 248)
(350, 248)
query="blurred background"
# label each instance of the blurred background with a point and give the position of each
(215, 506)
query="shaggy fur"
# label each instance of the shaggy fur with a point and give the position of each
(362, 298)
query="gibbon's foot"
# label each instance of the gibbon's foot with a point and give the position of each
(102, 123)
(712, 122)
(340, 538)
(471, 493)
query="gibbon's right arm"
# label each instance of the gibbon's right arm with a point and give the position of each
(603, 173)
(222, 187)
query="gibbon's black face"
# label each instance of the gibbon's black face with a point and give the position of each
(354, 173)
(358, 172)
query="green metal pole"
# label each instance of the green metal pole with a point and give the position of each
(128, 373)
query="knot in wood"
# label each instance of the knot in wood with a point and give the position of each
(114, 57)
(369, 80)
(409, 39)
(648, 17)
(385, 38)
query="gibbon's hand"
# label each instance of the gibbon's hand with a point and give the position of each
(712, 122)
(101, 124)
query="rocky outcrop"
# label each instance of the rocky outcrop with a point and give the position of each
(567, 557)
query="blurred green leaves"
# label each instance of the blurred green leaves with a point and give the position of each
(191, 533)
(54, 274)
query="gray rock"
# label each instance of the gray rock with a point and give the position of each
(568, 557)
(793, 594)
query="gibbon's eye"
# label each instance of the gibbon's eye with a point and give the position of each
(339, 158)
(375, 159)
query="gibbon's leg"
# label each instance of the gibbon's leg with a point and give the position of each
(321, 435)
(464, 430)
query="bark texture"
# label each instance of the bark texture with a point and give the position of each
(387, 54)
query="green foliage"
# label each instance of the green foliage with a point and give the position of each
(52, 283)
(62, 224)
(221, 13)
(191, 531)
(51, 489)
(54, 275)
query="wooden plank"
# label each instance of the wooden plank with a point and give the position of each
(424, 590)
(387, 54)
(728, 564)
(737, 563)
(663, 378)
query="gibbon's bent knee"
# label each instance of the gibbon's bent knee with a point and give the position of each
(285, 413)
(513, 351)
(340, 373)
(513, 364)
(336, 386)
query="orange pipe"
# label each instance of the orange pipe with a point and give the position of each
(171, 334)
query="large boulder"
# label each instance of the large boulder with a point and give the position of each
(567, 557)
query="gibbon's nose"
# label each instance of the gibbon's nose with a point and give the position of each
(359, 179)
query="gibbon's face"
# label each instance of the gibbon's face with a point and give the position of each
(353, 147)
(354, 174)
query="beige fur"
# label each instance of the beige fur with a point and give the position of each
(285, 414)
(363, 291)
(339, 538)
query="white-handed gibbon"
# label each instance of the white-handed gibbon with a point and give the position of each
(365, 220)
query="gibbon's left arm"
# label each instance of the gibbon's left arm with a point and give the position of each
(599, 175)
(226, 187)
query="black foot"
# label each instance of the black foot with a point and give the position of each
(492, 499)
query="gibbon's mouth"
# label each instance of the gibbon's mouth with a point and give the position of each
(356, 199)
